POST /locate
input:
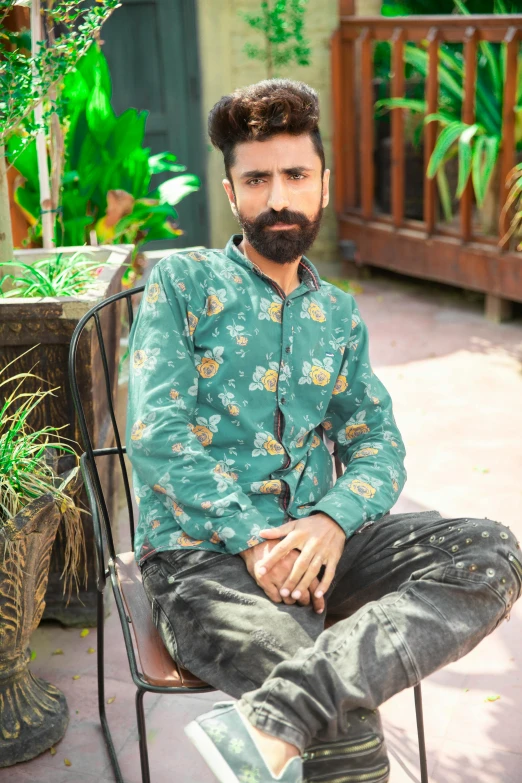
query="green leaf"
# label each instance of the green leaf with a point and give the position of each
(174, 190)
(465, 156)
(29, 201)
(447, 138)
(127, 134)
(484, 159)
(23, 157)
(100, 115)
(164, 161)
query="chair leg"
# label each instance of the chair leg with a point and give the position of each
(420, 733)
(100, 619)
(142, 736)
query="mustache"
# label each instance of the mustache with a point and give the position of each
(284, 216)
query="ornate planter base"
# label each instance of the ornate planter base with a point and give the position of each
(33, 715)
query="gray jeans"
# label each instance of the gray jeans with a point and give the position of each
(417, 591)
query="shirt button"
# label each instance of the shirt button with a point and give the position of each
(283, 400)
(288, 302)
(288, 348)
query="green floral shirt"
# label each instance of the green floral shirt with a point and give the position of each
(232, 385)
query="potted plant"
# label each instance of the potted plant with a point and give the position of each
(477, 145)
(106, 195)
(37, 493)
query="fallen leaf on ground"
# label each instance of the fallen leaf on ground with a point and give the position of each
(91, 650)
(52, 751)
(33, 654)
(110, 699)
(466, 690)
(57, 652)
(492, 698)
(76, 676)
(84, 632)
(67, 763)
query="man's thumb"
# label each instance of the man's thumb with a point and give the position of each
(278, 532)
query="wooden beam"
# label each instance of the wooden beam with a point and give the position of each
(468, 116)
(507, 159)
(430, 131)
(367, 125)
(397, 128)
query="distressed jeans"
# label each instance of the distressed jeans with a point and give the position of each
(416, 592)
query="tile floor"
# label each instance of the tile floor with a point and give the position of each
(456, 382)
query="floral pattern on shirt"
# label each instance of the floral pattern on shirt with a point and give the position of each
(231, 387)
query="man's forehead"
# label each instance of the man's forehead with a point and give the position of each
(276, 153)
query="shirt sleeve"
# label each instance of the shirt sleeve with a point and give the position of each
(360, 420)
(162, 427)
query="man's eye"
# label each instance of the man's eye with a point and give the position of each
(254, 181)
(297, 176)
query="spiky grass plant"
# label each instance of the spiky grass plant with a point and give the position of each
(58, 275)
(26, 469)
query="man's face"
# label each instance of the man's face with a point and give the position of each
(278, 195)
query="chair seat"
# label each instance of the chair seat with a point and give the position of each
(157, 666)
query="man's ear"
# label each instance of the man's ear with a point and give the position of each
(231, 195)
(326, 188)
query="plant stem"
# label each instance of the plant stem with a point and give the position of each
(6, 233)
(269, 57)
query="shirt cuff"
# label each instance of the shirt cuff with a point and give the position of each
(347, 515)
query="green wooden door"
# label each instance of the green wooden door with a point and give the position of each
(152, 50)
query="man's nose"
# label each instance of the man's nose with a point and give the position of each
(278, 198)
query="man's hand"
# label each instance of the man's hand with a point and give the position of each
(272, 581)
(321, 543)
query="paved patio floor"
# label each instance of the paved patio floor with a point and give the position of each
(456, 383)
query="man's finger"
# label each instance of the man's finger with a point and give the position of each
(277, 553)
(307, 576)
(318, 603)
(302, 566)
(327, 579)
(278, 532)
(271, 590)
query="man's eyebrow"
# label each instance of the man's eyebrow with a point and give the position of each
(258, 174)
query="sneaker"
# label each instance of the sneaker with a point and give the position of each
(224, 739)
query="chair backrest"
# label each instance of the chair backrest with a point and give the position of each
(93, 457)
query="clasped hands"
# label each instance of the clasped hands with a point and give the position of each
(287, 570)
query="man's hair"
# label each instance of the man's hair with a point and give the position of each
(262, 110)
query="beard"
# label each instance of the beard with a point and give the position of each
(285, 245)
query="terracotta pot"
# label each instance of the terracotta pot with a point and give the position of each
(33, 713)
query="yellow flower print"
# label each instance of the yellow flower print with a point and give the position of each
(208, 367)
(214, 305)
(139, 359)
(233, 409)
(253, 542)
(375, 400)
(215, 539)
(206, 504)
(178, 510)
(300, 442)
(192, 322)
(153, 293)
(395, 486)
(319, 375)
(271, 487)
(182, 286)
(159, 488)
(203, 434)
(196, 256)
(185, 540)
(299, 467)
(341, 385)
(394, 444)
(333, 298)
(177, 447)
(241, 340)
(138, 429)
(327, 425)
(174, 394)
(155, 524)
(269, 380)
(237, 279)
(315, 442)
(361, 488)
(265, 443)
(315, 480)
(274, 311)
(354, 430)
(316, 314)
(318, 371)
(368, 451)
(354, 324)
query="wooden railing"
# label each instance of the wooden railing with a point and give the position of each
(452, 254)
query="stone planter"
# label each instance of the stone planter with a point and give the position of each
(47, 325)
(33, 713)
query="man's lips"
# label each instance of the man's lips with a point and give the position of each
(279, 226)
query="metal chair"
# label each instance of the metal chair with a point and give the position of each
(151, 667)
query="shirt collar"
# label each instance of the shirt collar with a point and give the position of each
(308, 274)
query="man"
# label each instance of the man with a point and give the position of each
(241, 360)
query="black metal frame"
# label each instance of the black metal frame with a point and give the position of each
(107, 570)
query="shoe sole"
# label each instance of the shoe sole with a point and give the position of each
(210, 753)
